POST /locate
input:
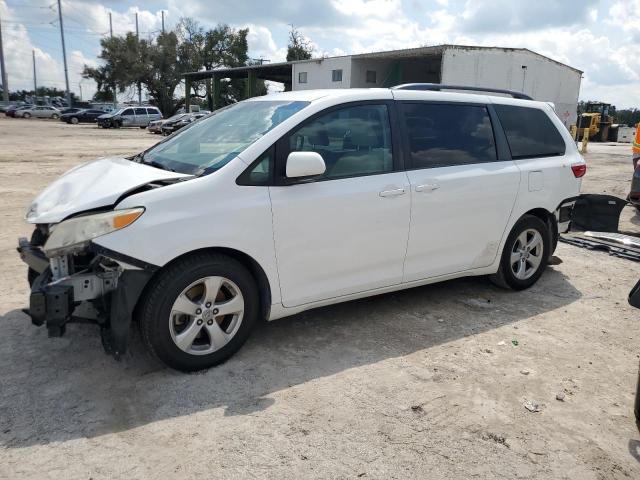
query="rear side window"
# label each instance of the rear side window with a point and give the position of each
(443, 135)
(353, 141)
(530, 132)
(141, 111)
(152, 111)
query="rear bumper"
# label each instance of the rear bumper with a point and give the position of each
(563, 214)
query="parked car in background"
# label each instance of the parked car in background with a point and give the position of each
(64, 111)
(156, 125)
(39, 111)
(130, 117)
(291, 201)
(170, 127)
(11, 111)
(82, 116)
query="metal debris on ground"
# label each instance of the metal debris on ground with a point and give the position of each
(560, 396)
(532, 406)
(514, 342)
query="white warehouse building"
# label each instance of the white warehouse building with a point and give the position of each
(518, 69)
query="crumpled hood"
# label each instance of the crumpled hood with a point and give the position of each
(95, 184)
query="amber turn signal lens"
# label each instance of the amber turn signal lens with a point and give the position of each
(125, 219)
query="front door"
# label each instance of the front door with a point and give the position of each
(142, 119)
(462, 188)
(128, 118)
(346, 231)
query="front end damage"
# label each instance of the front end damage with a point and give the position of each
(94, 285)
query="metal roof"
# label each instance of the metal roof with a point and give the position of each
(283, 69)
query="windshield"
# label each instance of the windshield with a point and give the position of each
(209, 144)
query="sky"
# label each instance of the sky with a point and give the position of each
(602, 38)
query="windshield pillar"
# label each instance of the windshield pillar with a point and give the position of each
(187, 94)
(252, 83)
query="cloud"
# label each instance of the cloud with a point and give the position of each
(593, 36)
(299, 13)
(626, 15)
(507, 15)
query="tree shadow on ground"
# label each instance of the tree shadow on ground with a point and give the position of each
(61, 389)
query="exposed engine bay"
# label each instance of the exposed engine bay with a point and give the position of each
(92, 285)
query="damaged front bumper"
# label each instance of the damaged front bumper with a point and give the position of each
(100, 287)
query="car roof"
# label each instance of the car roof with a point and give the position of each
(383, 93)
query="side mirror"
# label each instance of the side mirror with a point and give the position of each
(305, 164)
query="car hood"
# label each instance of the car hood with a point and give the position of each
(93, 185)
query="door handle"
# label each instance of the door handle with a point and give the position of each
(427, 187)
(392, 193)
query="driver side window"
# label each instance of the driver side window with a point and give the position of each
(353, 141)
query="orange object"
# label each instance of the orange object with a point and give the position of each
(122, 221)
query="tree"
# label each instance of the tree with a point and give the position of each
(129, 61)
(222, 46)
(299, 47)
(159, 65)
(629, 116)
(50, 92)
(101, 75)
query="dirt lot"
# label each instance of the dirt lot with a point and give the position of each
(427, 383)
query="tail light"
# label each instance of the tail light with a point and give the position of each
(579, 169)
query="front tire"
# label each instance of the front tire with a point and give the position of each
(74, 120)
(199, 311)
(525, 254)
(26, 115)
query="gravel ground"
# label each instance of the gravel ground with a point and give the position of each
(427, 383)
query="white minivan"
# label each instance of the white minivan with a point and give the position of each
(296, 200)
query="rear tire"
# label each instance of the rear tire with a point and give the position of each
(525, 254)
(187, 286)
(55, 116)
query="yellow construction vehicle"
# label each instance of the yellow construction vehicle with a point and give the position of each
(595, 122)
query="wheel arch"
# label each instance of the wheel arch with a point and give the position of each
(550, 219)
(256, 270)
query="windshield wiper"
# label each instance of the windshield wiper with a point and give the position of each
(159, 165)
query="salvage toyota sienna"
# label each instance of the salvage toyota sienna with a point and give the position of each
(292, 201)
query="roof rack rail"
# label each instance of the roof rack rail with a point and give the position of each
(438, 86)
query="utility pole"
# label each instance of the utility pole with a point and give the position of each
(64, 55)
(138, 39)
(115, 99)
(5, 84)
(35, 82)
(162, 21)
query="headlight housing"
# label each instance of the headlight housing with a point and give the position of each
(74, 234)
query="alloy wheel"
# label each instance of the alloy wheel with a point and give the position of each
(527, 254)
(206, 315)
